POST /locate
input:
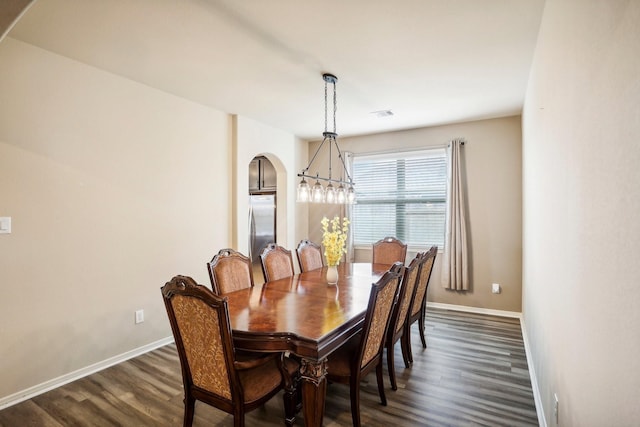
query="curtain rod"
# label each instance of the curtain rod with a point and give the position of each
(430, 147)
(408, 150)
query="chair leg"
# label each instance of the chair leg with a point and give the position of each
(298, 387)
(292, 393)
(407, 336)
(391, 367)
(355, 401)
(380, 378)
(189, 408)
(290, 404)
(406, 350)
(296, 384)
(238, 418)
(421, 327)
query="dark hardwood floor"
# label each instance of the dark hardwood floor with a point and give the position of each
(473, 373)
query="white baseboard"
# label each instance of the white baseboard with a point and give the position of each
(537, 398)
(468, 309)
(534, 382)
(80, 373)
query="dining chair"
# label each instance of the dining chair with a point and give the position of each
(230, 271)
(418, 306)
(389, 250)
(309, 256)
(212, 372)
(276, 262)
(351, 362)
(399, 316)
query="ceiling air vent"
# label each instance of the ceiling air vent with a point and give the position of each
(382, 113)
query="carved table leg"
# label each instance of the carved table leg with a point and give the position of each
(314, 389)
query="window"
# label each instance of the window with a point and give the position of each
(401, 195)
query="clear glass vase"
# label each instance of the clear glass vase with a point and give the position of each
(332, 274)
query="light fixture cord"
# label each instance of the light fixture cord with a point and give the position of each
(334, 121)
(325, 106)
(332, 139)
(335, 107)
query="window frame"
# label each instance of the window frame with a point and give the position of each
(421, 153)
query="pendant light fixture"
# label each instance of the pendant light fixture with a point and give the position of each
(317, 193)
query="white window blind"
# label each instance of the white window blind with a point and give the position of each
(401, 195)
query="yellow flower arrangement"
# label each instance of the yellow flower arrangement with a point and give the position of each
(334, 239)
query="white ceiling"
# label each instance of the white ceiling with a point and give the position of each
(429, 61)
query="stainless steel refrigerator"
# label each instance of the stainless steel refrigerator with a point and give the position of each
(262, 223)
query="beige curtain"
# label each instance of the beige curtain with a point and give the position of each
(455, 271)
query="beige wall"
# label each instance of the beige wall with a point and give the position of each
(581, 180)
(492, 158)
(113, 187)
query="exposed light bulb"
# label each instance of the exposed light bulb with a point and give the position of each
(341, 196)
(317, 193)
(351, 195)
(330, 194)
(303, 191)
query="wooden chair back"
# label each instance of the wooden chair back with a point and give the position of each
(400, 314)
(420, 299)
(363, 353)
(309, 256)
(406, 294)
(381, 301)
(389, 250)
(418, 306)
(210, 372)
(200, 326)
(277, 262)
(230, 271)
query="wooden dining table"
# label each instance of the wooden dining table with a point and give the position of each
(306, 316)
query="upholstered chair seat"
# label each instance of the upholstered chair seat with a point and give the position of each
(261, 379)
(341, 358)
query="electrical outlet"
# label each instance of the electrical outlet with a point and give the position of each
(555, 407)
(495, 288)
(5, 225)
(139, 316)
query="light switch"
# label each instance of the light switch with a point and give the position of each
(5, 225)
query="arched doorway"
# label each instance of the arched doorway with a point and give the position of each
(262, 206)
